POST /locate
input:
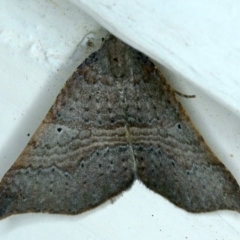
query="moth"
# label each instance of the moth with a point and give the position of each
(116, 120)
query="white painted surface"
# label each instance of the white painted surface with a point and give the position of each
(42, 42)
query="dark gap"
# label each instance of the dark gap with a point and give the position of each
(112, 120)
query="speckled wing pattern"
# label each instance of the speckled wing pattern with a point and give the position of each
(115, 120)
